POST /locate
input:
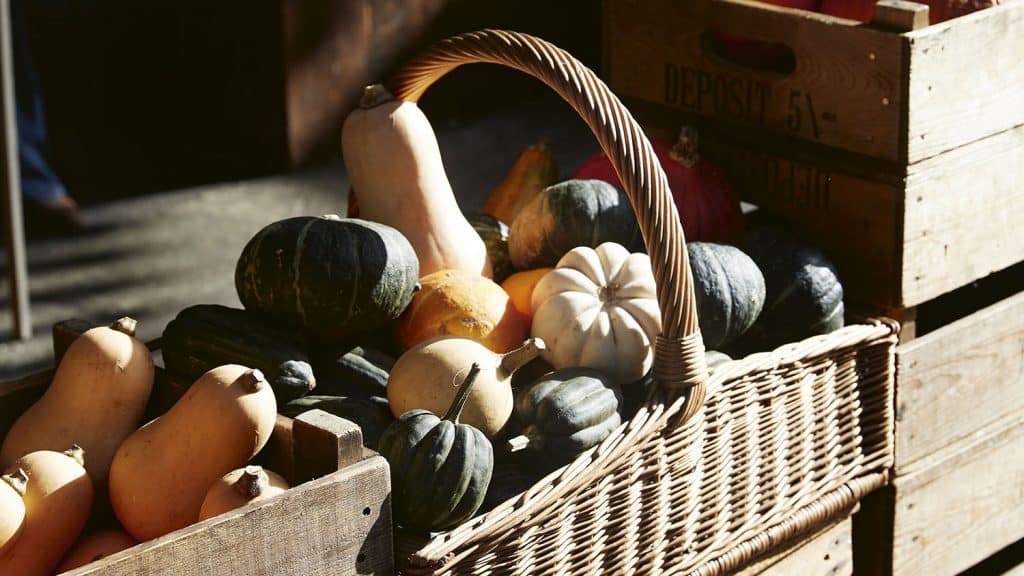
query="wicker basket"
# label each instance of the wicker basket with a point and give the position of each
(784, 442)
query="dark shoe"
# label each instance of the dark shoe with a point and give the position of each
(52, 219)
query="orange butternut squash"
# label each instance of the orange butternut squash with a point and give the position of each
(12, 508)
(58, 500)
(240, 487)
(161, 473)
(96, 546)
(97, 398)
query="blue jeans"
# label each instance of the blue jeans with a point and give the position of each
(39, 183)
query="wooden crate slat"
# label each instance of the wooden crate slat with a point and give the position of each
(963, 215)
(655, 51)
(963, 505)
(966, 79)
(338, 524)
(958, 379)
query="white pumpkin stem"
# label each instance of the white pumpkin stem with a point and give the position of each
(518, 358)
(17, 480)
(126, 325)
(76, 453)
(374, 95)
(253, 380)
(251, 483)
(334, 217)
(686, 150)
(460, 397)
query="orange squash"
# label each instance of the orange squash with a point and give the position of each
(534, 170)
(240, 487)
(96, 546)
(454, 303)
(519, 287)
(96, 400)
(161, 473)
(58, 500)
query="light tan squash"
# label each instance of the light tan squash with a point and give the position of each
(96, 546)
(58, 500)
(12, 508)
(97, 398)
(428, 377)
(395, 166)
(161, 473)
(240, 487)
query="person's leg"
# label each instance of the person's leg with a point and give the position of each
(48, 208)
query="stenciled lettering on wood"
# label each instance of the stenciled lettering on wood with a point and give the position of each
(772, 181)
(739, 98)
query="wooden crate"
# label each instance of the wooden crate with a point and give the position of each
(952, 511)
(903, 227)
(336, 518)
(898, 96)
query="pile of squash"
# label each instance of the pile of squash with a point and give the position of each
(476, 353)
(82, 451)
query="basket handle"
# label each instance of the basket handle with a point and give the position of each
(679, 351)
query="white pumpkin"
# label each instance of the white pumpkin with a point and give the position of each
(598, 308)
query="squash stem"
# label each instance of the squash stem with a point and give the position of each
(686, 149)
(253, 380)
(76, 453)
(126, 325)
(518, 443)
(460, 397)
(17, 480)
(374, 95)
(251, 483)
(518, 358)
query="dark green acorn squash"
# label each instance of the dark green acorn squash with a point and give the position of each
(360, 372)
(440, 469)
(372, 415)
(729, 288)
(570, 214)
(334, 277)
(804, 296)
(494, 233)
(206, 336)
(567, 412)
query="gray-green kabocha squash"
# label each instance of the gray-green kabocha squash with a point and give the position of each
(334, 277)
(440, 469)
(729, 289)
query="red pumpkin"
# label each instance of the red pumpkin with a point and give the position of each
(756, 53)
(860, 10)
(942, 10)
(706, 202)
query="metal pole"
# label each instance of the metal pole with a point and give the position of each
(10, 183)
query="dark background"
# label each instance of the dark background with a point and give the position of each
(148, 96)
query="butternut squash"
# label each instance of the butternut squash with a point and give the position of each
(534, 170)
(96, 400)
(428, 377)
(398, 179)
(58, 500)
(12, 508)
(240, 487)
(161, 473)
(96, 546)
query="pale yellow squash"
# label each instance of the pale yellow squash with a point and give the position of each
(12, 508)
(97, 398)
(161, 473)
(394, 162)
(58, 500)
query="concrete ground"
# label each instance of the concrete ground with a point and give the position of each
(149, 257)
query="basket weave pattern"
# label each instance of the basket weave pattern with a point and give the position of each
(786, 441)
